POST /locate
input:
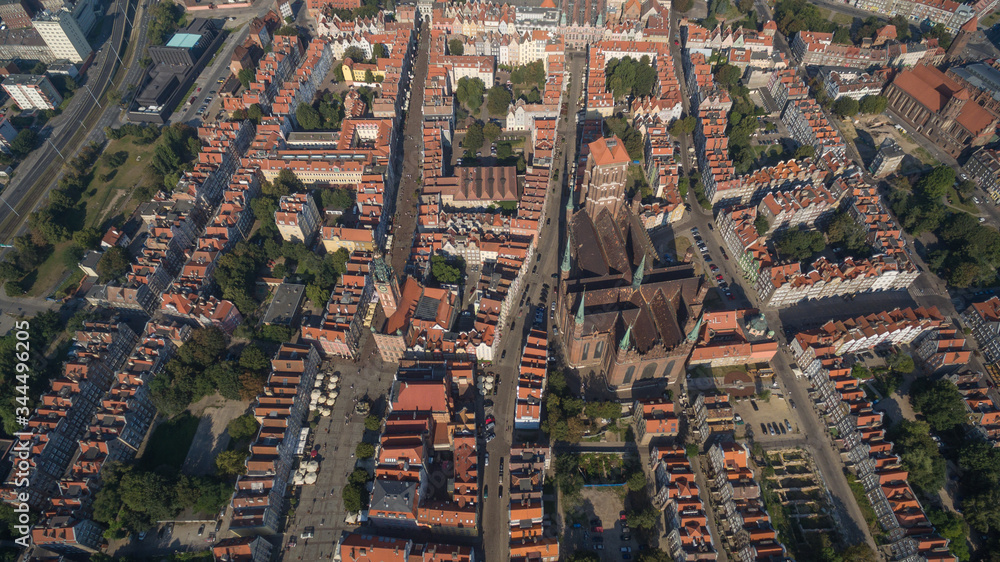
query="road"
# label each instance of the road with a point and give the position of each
(36, 175)
(495, 516)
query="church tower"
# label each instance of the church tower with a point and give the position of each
(605, 176)
(961, 41)
(386, 285)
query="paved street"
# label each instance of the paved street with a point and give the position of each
(321, 505)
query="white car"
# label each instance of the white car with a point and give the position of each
(487, 459)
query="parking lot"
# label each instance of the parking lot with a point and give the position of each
(773, 414)
(600, 508)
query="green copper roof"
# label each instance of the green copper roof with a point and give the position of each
(693, 334)
(625, 339)
(567, 259)
(639, 272)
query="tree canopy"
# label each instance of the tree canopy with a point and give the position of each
(474, 137)
(873, 104)
(498, 101)
(793, 16)
(920, 455)
(801, 244)
(940, 402)
(846, 107)
(113, 264)
(627, 76)
(456, 47)
(443, 272)
(470, 92)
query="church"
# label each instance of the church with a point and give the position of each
(624, 316)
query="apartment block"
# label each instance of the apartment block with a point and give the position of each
(809, 126)
(984, 168)
(531, 381)
(894, 327)
(808, 205)
(654, 419)
(31, 91)
(984, 319)
(61, 32)
(297, 217)
(689, 538)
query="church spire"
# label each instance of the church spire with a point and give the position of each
(693, 334)
(566, 260)
(624, 345)
(639, 272)
(579, 311)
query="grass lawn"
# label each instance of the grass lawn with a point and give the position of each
(925, 156)
(70, 284)
(50, 272)
(723, 371)
(105, 199)
(842, 19)
(962, 203)
(170, 442)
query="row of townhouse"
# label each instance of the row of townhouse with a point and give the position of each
(948, 13)
(787, 285)
(689, 538)
(981, 403)
(718, 174)
(983, 167)
(116, 432)
(364, 547)
(62, 417)
(513, 50)
(600, 101)
(899, 326)
(259, 499)
(785, 85)
(815, 48)
(274, 69)
(861, 436)
(531, 380)
(807, 205)
(350, 309)
(529, 539)
(741, 47)
(654, 419)
(422, 428)
(663, 173)
(885, 236)
(738, 500)
(713, 413)
(852, 83)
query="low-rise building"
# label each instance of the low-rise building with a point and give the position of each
(984, 320)
(297, 217)
(653, 419)
(733, 337)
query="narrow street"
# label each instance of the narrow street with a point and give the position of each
(405, 221)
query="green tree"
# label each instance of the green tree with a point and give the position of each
(935, 183)
(645, 518)
(455, 47)
(231, 463)
(378, 51)
(873, 104)
(727, 75)
(953, 527)
(901, 362)
(443, 272)
(497, 101)
(474, 137)
(24, 142)
(352, 495)
(337, 198)
(684, 126)
(113, 264)
(470, 92)
(804, 151)
(491, 131)
(761, 224)
(846, 107)
(288, 30)
(309, 119)
(255, 113)
(843, 230)
(246, 76)
(637, 482)
(373, 422)
(940, 402)
(364, 450)
(801, 244)
(254, 359)
(88, 238)
(243, 427)
(920, 455)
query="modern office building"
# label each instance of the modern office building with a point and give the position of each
(63, 35)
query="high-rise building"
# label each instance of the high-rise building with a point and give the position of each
(63, 35)
(31, 91)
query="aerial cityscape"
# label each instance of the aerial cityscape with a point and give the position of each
(539, 281)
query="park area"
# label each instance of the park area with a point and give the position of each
(100, 187)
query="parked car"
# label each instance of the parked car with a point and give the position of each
(491, 422)
(201, 530)
(142, 536)
(487, 459)
(211, 537)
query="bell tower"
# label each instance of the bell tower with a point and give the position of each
(386, 285)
